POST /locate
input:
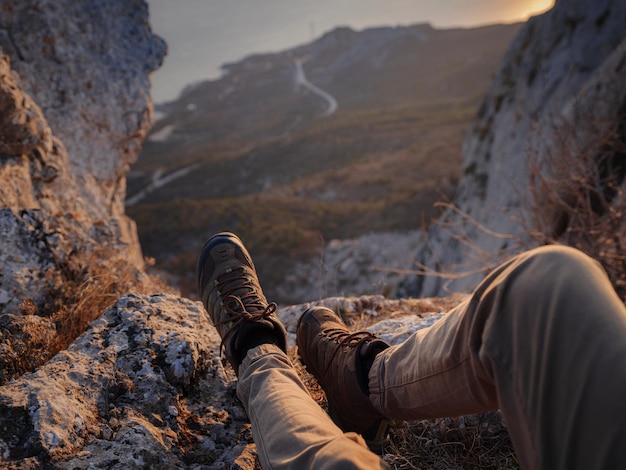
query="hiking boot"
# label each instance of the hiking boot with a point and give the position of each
(340, 361)
(230, 292)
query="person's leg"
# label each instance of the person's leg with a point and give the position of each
(339, 360)
(289, 428)
(543, 338)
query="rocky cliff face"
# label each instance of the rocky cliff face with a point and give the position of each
(74, 106)
(86, 65)
(561, 85)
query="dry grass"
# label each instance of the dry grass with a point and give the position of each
(92, 283)
(578, 197)
(476, 441)
(88, 284)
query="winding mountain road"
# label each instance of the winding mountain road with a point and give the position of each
(302, 81)
(158, 181)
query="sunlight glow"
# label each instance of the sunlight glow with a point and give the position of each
(536, 7)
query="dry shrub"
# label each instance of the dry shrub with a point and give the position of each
(93, 282)
(460, 228)
(89, 283)
(578, 196)
(576, 199)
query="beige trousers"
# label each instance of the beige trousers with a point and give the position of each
(543, 338)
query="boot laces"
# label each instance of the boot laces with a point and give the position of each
(346, 341)
(241, 301)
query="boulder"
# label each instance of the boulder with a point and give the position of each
(144, 386)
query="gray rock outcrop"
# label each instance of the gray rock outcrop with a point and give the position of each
(114, 398)
(562, 84)
(87, 65)
(371, 264)
(144, 387)
(74, 107)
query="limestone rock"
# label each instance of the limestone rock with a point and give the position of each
(74, 106)
(144, 386)
(562, 79)
(372, 263)
(86, 65)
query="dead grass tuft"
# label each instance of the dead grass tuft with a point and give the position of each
(89, 283)
(92, 283)
(476, 441)
(578, 196)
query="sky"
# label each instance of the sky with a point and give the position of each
(204, 34)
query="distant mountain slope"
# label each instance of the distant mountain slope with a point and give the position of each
(266, 160)
(380, 67)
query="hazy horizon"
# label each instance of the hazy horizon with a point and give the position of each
(202, 35)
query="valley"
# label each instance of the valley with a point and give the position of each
(259, 153)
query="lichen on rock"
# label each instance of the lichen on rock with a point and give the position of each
(142, 386)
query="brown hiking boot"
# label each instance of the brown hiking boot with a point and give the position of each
(230, 292)
(340, 361)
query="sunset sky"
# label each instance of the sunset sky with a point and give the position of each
(204, 34)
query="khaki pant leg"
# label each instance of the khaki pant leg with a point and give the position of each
(290, 430)
(543, 338)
